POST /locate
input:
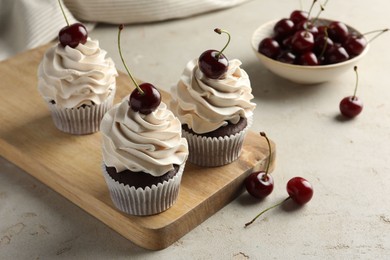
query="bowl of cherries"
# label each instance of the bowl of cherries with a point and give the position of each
(308, 50)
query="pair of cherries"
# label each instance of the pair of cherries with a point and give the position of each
(260, 184)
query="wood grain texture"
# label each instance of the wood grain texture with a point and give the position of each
(71, 165)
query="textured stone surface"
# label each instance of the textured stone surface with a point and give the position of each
(346, 161)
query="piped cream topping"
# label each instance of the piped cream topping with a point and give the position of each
(150, 143)
(72, 77)
(206, 104)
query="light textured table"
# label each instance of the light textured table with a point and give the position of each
(346, 161)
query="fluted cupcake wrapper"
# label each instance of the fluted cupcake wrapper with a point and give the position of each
(213, 151)
(82, 120)
(147, 201)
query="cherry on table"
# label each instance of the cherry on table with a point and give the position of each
(72, 35)
(352, 106)
(145, 98)
(213, 63)
(260, 184)
(299, 190)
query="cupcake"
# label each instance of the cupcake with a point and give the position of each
(215, 113)
(143, 158)
(78, 84)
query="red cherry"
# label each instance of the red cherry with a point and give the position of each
(213, 63)
(355, 44)
(307, 26)
(283, 28)
(302, 42)
(351, 106)
(299, 190)
(287, 57)
(322, 44)
(270, 48)
(145, 102)
(261, 184)
(336, 54)
(308, 59)
(212, 66)
(145, 98)
(338, 31)
(73, 35)
(297, 16)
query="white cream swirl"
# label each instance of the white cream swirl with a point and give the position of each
(150, 143)
(206, 104)
(72, 77)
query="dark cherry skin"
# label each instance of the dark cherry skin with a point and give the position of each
(73, 35)
(355, 44)
(298, 16)
(270, 48)
(307, 26)
(336, 54)
(302, 42)
(259, 184)
(212, 66)
(287, 57)
(351, 106)
(322, 44)
(283, 28)
(147, 102)
(338, 31)
(308, 59)
(299, 190)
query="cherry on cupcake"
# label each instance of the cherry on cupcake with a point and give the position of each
(351, 106)
(72, 34)
(299, 190)
(260, 184)
(213, 63)
(145, 98)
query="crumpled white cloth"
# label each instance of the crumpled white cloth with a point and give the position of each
(26, 24)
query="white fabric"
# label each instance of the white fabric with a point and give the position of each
(26, 24)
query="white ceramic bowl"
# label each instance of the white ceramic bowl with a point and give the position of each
(299, 73)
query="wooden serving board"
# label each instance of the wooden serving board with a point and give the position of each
(71, 165)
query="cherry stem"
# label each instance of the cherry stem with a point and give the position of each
(326, 42)
(322, 6)
(269, 152)
(311, 8)
(220, 31)
(124, 63)
(63, 13)
(376, 36)
(357, 81)
(264, 211)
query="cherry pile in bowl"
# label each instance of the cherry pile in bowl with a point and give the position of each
(310, 42)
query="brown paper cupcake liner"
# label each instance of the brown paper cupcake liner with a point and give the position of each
(213, 151)
(147, 201)
(82, 120)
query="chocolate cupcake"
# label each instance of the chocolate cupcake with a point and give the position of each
(78, 85)
(143, 158)
(215, 113)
